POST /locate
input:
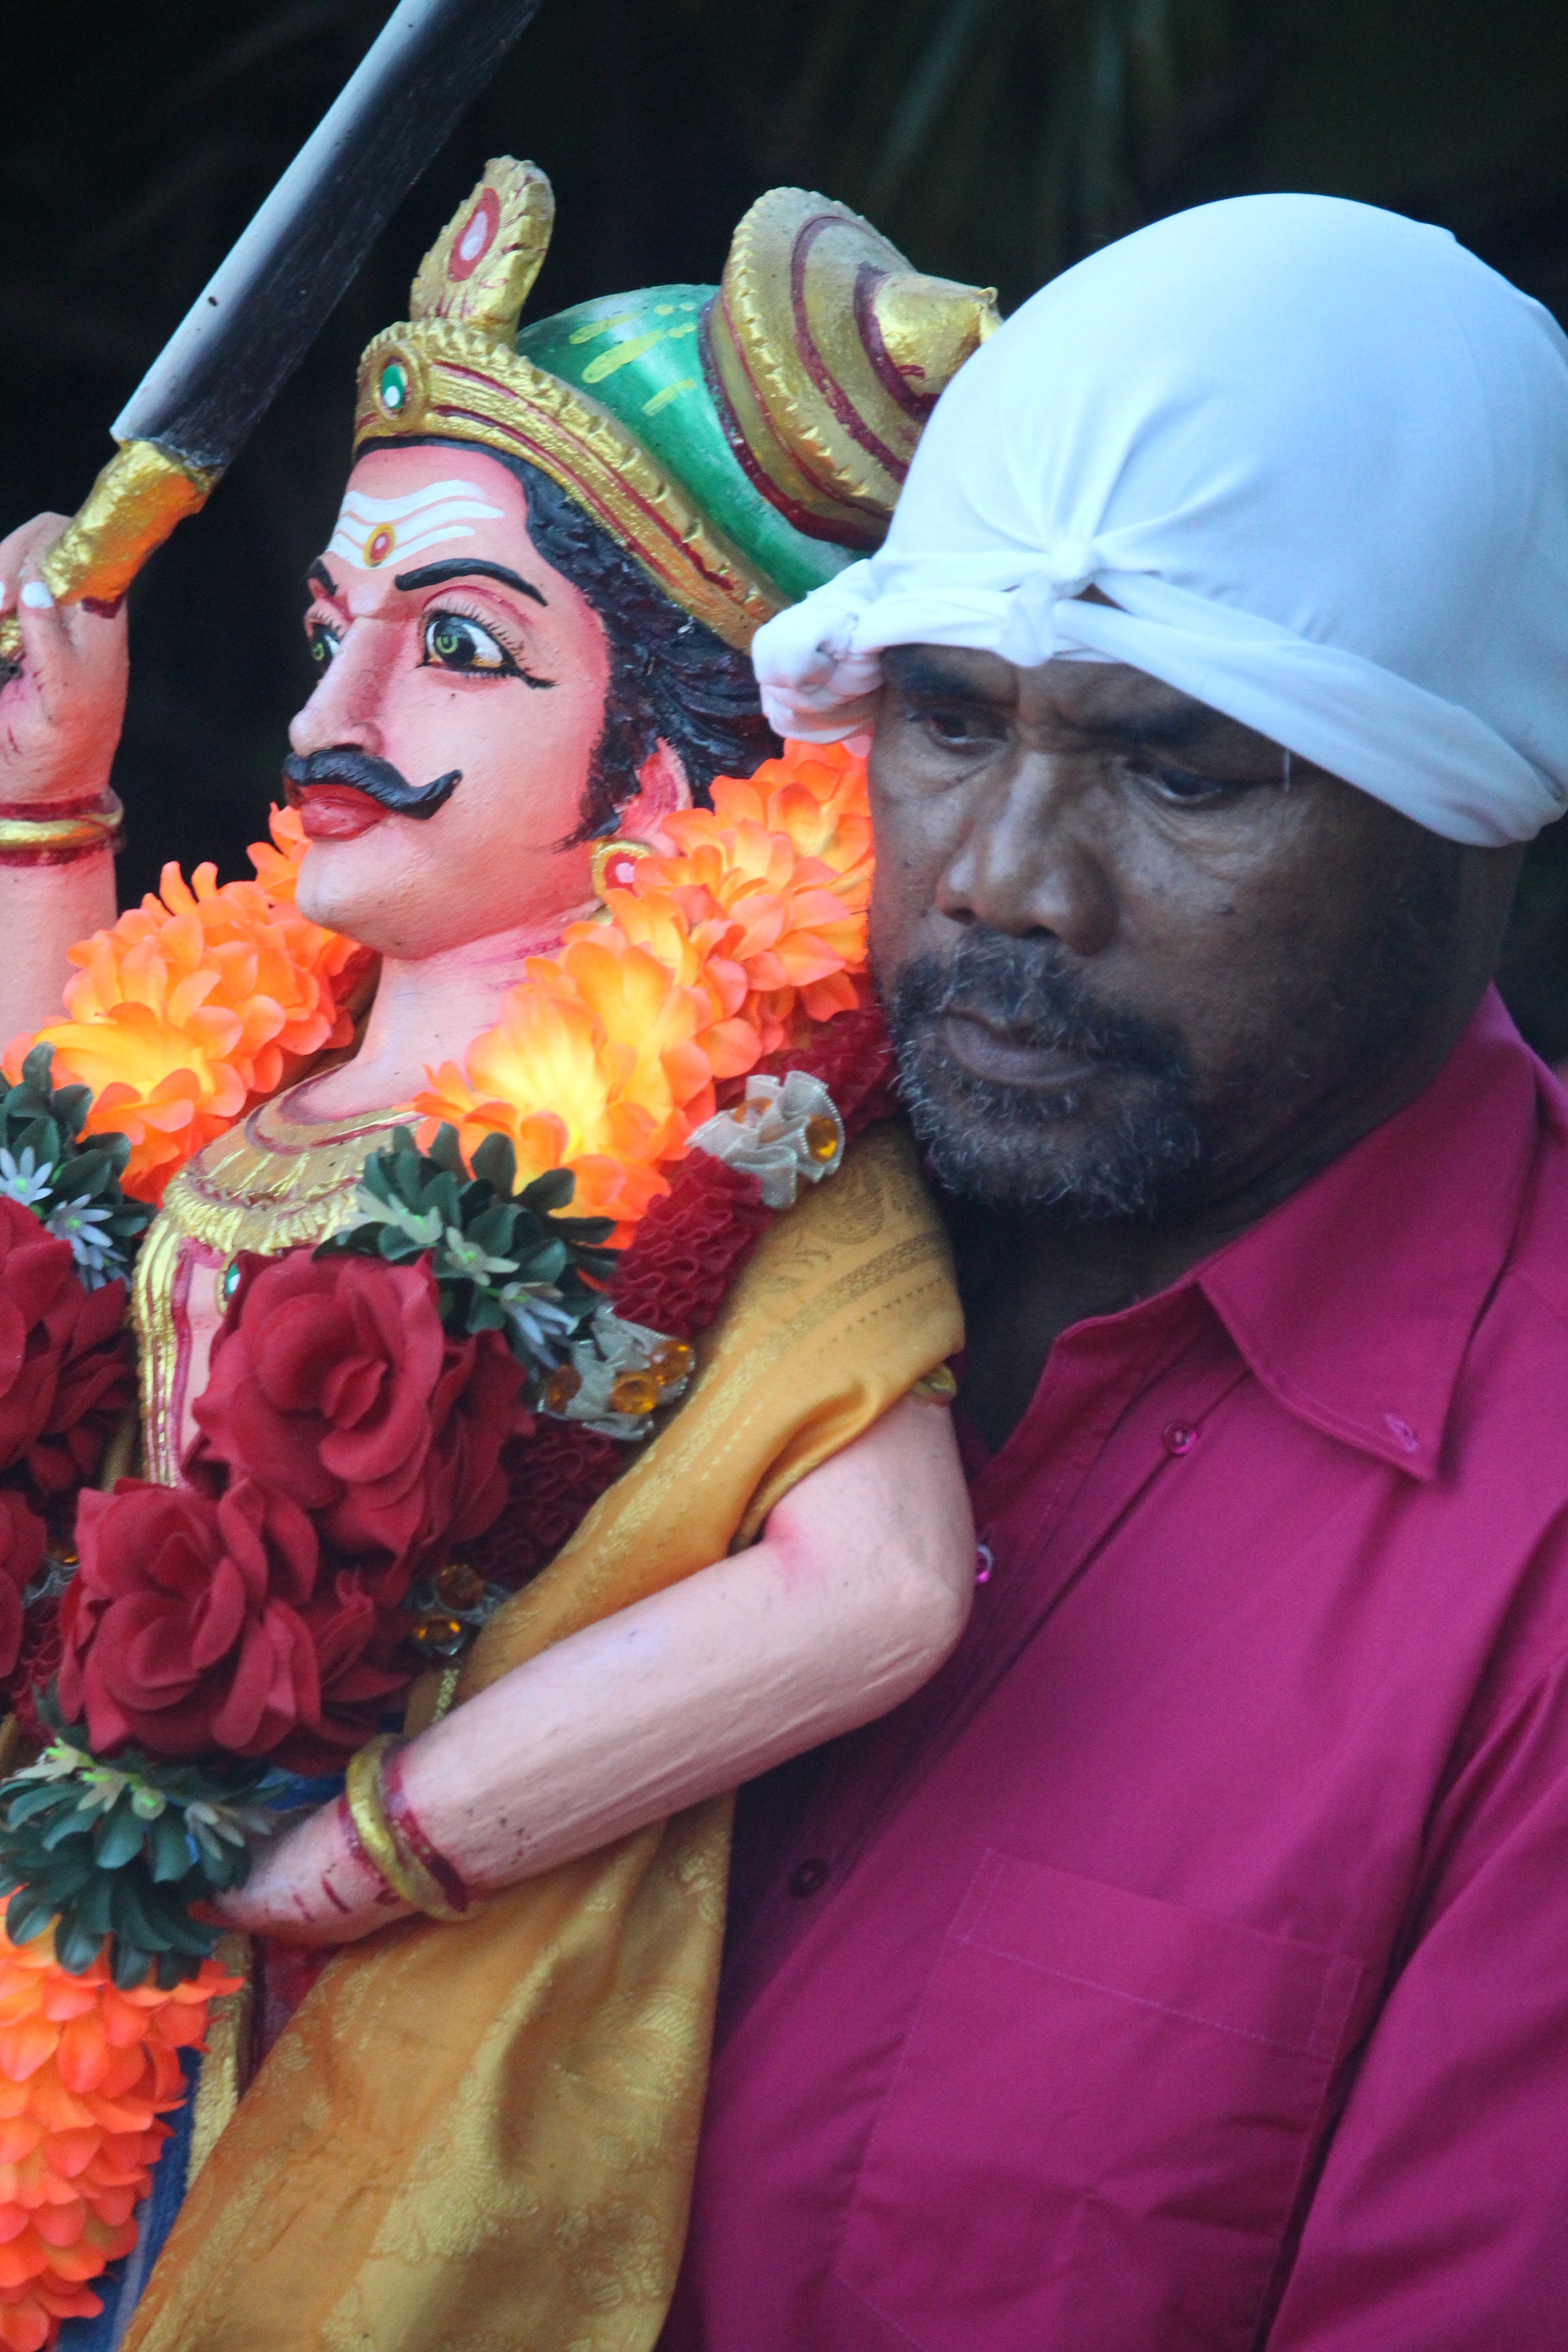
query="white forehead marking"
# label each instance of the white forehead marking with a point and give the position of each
(370, 531)
(368, 510)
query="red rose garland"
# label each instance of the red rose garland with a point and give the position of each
(347, 1441)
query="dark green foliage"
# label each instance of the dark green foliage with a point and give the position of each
(123, 1850)
(502, 1262)
(57, 1173)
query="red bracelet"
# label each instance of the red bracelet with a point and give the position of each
(390, 1839)
(405, 1825)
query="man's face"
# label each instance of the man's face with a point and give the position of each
(1134, 960)
(445, 644)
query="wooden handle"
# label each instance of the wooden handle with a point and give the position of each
(130, 510)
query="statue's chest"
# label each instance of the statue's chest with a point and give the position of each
(274, 1182)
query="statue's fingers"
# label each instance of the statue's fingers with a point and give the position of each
(47, 648)
(23, 550)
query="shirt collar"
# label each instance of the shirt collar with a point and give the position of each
(1354, 1301)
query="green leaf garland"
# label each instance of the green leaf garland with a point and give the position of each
(503, 1260)
(70, 1183)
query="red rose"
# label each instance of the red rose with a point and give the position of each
(21, 1556)
(334, 1383)
(196, 1623)
(64, 1380)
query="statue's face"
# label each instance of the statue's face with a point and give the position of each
(445, 643)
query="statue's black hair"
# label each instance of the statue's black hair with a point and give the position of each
(669, 676)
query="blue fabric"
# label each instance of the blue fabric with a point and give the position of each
(121, 2283)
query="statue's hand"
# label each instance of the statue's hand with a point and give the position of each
(312, 1884)
(60, 717)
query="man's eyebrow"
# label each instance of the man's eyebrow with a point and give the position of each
(319, 576)
(913, 670)
(456, 567)
(1179, 724)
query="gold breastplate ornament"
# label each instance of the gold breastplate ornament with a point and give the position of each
(274, 1182)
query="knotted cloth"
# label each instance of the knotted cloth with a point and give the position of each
(1316, 456)
(482, 2136)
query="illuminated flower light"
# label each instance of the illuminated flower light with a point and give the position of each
(730, 948)
(85, 2073)
(773, 883)
(591, 1065)
(198, 1003)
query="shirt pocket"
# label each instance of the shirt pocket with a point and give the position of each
(1096, 2126)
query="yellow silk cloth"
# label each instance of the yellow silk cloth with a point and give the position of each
(481, 2137)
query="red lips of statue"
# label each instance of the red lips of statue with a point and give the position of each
(334, 812)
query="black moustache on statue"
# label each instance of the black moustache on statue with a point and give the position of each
(346, 764)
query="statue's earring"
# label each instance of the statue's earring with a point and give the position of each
(614, 861)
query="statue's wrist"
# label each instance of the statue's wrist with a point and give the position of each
(56, 833)
(392, 1839)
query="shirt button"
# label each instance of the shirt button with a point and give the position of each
(807, 1877)
(1178, 1437)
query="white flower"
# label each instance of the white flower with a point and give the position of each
(535, 1308)
(23, 1181)
(425, 1230)
(81, 1224)
(468, 1258)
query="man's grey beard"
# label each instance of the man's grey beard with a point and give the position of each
(1010, 1145)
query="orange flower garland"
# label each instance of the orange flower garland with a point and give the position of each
(724, 951)
(200, 1002)
(85, 2073)
(197, 1004)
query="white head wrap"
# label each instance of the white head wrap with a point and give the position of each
(1316, 455)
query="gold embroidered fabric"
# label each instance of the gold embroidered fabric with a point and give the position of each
(480, 2138)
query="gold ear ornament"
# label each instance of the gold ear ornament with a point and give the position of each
(612, 861)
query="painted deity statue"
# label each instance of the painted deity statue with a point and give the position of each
(598, 1462)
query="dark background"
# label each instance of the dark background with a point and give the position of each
(994, 140)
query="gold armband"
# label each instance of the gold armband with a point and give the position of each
(40, 840)
(392, 1840)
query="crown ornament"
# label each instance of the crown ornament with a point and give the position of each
(743, 442)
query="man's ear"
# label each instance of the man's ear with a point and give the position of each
(662, 788)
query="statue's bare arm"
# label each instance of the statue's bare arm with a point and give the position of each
(59, 724)
(857, 1590)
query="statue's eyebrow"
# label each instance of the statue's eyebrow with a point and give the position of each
(320, 577)
(457, 567)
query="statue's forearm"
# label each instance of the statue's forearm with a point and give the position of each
(44, 910)
(855, 1594)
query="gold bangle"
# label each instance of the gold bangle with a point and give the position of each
(103, 827)
(386, 1850)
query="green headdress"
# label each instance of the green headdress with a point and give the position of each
(742, 441)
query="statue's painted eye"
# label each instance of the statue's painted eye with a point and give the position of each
(454, 642)
(323, 644)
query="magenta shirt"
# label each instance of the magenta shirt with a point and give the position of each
(1187, 1964)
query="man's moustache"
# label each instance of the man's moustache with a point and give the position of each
(1024, 988)
(346, 764)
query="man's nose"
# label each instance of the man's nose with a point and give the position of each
(1026, 862)
(348, 702)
